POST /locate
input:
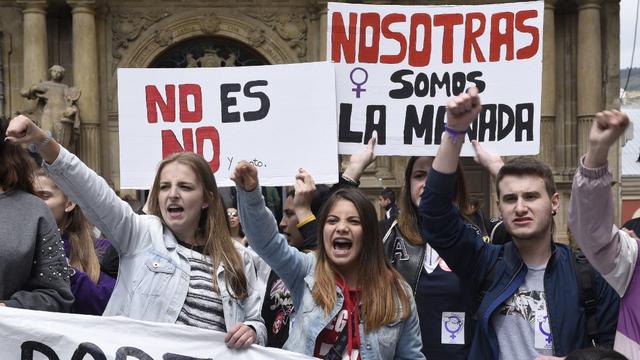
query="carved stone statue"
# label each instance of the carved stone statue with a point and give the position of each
(56, 107)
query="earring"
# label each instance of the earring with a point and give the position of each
(553, 212)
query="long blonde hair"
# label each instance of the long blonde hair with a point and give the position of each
(213, 226)
(381, 287)
(82, 250)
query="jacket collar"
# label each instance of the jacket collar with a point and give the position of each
(513, 260)
(169, 239)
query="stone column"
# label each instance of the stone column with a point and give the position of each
(323, 34)
(589, 71)
(34, 40)
(85, 77)
(548, 111)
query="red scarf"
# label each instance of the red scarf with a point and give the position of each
(351, 305)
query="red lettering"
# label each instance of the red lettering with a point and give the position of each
(185, 114)
(498, 39)
(397, 36)
(209, 133)
(448, 22)
(170, 143)
(340, 42)
(531, 49)
(167, 108)
(422, 57)
(471, 36)
(369, 54)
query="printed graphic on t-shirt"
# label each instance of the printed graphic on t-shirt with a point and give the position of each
(282, 304)
(329, 336)
(452, 328)
(532, 307)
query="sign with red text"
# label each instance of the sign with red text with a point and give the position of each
(278, 117)
(397, 66)
(28, 334)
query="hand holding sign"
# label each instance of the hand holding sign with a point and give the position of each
(490, 161)
(245, 176)
(305, 188)
(358, 162)
(240, 336)
(463, 109)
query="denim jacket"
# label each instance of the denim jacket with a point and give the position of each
(153, 279)
(398, 340)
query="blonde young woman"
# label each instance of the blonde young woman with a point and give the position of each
(351, 304)
(91, 287)
(178, 264)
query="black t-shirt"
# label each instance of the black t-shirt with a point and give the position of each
(277, 311)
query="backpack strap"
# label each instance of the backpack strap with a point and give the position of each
(390, 230)
(587, 293)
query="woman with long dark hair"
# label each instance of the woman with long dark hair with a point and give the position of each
(350, 302)
(33, 270)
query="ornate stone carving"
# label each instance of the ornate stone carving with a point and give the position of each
(291, 27)
(163, 37)
(210, 24)
(56, 107)
(127, 26)
(256, 37)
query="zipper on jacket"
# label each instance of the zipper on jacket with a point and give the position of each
(420, 267)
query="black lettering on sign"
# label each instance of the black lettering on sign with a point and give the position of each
(345, 134)
(29, 347)
(227, 101)
(522, 124)
(265, 104)
(170, 356)
(379, 127)
(125, 352)
(87, 348)
(422, 128)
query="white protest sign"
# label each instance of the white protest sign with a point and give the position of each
(280, 117)
(397, 66)
(41, 335)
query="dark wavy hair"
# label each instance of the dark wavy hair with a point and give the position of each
(17, 168)
(408, 219)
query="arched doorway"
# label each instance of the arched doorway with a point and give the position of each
(218, 51)
(209, 51)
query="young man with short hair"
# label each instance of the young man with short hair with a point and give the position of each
(528, 301)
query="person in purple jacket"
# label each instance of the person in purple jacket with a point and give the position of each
(613, 252)
(91, 287)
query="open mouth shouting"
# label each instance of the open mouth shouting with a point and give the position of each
(341, 247)
(175, 211)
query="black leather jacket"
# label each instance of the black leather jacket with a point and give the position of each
(405, 257)
(408, 258)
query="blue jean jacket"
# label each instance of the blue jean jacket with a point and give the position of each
(153, 278)
(399, 340)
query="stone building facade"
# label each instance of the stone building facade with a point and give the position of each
(93, 38)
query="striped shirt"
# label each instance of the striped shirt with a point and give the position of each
(203, 306)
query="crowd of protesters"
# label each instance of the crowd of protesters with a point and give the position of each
(434, 278)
